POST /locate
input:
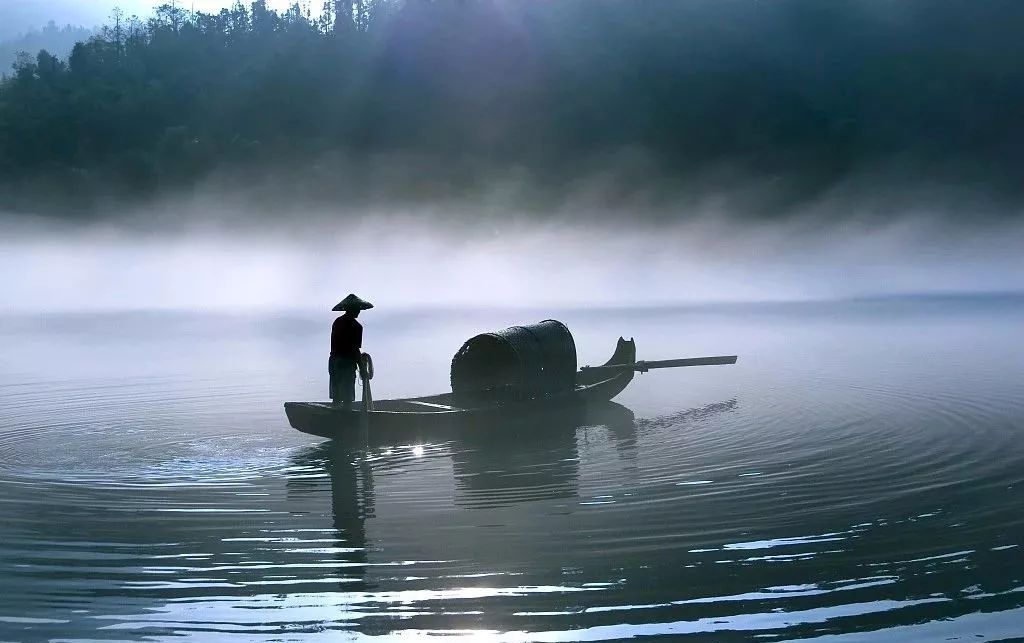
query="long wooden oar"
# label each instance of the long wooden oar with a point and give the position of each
(644, 366)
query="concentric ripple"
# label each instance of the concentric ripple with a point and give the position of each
(857, 478)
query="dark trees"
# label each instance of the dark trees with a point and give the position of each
(654, 93)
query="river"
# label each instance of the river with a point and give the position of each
(857, 476)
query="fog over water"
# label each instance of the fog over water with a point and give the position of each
(426, 258)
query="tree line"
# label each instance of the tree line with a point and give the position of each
(416, 99)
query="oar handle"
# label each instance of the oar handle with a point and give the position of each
(642, 366)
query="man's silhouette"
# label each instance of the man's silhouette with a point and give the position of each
(346, 349)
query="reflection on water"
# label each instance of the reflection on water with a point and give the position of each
(856, 477)
(523, 463)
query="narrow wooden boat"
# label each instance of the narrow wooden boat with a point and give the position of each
(433, 415)
(329, 421)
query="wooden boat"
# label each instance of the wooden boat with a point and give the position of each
(434, 414)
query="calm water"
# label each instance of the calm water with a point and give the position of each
(859, 476)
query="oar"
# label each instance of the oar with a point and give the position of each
(644, 366)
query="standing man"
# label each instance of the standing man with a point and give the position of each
(346, 350)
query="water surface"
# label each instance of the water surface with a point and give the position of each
(856, 477)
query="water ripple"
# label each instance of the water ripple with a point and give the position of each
(875, 496)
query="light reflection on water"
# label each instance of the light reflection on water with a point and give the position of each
(857, 476)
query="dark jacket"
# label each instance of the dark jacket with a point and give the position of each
(346, 338)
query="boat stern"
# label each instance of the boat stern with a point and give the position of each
(319, 418)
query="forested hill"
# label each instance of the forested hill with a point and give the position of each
(421, 99)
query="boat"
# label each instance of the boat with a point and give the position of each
(516, 374)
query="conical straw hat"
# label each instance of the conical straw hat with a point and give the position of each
(353, 302)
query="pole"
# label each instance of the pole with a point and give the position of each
(644, 366)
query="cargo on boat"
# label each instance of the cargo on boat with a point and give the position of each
(515, 373)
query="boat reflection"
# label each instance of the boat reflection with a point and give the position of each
(494, 467)
(529, 462)
(491, 465)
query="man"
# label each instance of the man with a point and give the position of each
(346, 349)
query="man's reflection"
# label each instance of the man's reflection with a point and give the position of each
(352, 500)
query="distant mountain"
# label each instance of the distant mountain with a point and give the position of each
(58, 40)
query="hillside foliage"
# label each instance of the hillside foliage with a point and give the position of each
(434, 98)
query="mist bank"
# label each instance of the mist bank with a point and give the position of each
(658, 107)
(410, 260)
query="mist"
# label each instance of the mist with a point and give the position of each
(424, 259)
